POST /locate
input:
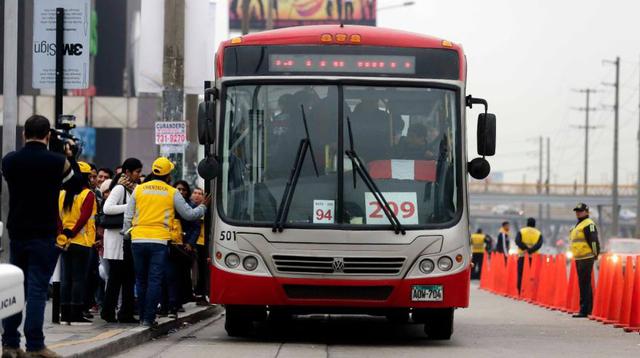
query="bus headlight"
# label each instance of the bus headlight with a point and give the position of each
(250, 263)
(232, 260)
(427, 266)
(445, 263)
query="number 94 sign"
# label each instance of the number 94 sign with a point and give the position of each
(404, 205)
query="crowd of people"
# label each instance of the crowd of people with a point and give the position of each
(99, 265)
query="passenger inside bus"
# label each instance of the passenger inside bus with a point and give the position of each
(371, 129)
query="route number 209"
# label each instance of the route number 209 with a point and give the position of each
(403, 205)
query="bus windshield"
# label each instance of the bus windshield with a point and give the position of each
(407, 138)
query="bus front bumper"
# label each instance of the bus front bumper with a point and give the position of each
(237, 289)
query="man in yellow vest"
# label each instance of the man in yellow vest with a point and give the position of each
(480, 243)
(585, 248)
(149, 220)
(529, 240)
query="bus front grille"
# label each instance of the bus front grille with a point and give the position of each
(369, 293)
(339, 265)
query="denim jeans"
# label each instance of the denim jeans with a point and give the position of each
(37, 258)
(150, 261)
(173, 285)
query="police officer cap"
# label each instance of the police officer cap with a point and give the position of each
(162, 166)
(581, 207)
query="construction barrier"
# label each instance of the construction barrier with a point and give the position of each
(551, 281)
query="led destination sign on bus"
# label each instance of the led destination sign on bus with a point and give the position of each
(342, 63)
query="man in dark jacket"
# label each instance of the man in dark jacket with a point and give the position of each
(502, 242)
(34, 176)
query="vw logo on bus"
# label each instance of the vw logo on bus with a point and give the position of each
(338, 264)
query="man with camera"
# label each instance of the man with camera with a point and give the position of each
(34, 176)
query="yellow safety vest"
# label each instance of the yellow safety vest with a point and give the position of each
(578, 242)
(477, 243)
(530, 237)
(201, 236)
(87, 235)
(154, 217)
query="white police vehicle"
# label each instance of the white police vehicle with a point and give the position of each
(11, 290)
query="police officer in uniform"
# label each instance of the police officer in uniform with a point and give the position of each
(585, 248)
(529, 240)
(150, 220)
(479, 244)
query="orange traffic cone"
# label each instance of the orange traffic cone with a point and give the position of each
(536, 269)
(500, 277)
(549, 287)
(497, 260)
(634, 316)
(625, 311)
(512, 277)
(484, 274)
(560, 294)
(572, 304)
(615, 295)
(542, 281)
(599, 295)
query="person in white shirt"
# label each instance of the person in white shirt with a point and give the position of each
(117, 250)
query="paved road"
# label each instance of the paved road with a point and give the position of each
(492, 327)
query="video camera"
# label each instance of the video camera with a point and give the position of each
(62, 135)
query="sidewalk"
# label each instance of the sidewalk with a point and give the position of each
(102, 339)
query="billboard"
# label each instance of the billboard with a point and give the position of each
(287, 13)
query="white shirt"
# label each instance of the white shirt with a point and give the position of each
(113, 240)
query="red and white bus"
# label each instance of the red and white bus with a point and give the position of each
(340, 166)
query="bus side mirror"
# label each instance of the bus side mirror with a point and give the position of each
(479, 168)
(486, 134)
(206, 124)
(208, 168)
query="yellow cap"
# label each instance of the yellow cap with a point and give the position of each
(162, 166)
(84, 168)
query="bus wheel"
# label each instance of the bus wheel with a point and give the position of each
(439, 324)
(237, 322)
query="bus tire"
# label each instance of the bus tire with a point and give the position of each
(237, 323)
(439, 324)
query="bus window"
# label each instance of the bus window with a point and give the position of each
(404, 136)
(264, 125)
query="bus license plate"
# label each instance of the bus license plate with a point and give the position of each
(427, 293)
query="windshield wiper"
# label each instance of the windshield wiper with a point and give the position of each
(358, 166)
(285, 202)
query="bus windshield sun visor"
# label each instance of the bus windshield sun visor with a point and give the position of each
(361, 169)
(289, 190)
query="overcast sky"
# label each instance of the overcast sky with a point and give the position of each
(525, 57)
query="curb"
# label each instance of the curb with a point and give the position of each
(120, 345)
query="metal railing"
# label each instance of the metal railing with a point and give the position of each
(552, 189)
